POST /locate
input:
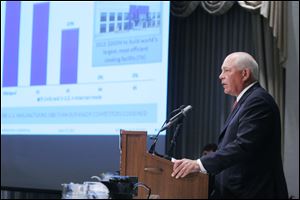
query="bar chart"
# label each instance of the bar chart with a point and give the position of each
(59, 68)
(69, 56)
(39, 54)
(39, 44)
(11, 46)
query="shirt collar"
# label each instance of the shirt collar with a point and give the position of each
(244, 90)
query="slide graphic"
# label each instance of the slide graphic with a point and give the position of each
(130, 34)
(83, 68)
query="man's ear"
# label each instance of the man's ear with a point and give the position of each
(246, 74)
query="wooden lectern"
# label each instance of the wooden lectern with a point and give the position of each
(155, 172)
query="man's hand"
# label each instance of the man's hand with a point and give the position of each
(184, 167)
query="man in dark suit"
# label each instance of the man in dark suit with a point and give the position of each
(247, 163)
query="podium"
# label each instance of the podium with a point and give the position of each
(155, 172)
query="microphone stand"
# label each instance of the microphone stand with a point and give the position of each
(177, 118)
(173, 141)
(152, 148)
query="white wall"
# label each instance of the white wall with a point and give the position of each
(291, 139)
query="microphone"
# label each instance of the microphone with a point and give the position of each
(152, 148)
(177, 109)
(176, 117)
(174, 111)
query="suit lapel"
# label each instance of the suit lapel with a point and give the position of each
(232, 114)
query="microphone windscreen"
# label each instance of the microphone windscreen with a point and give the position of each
(186, 109)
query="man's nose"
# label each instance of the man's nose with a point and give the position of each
(221, 76)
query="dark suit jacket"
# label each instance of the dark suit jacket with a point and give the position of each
(248, 161)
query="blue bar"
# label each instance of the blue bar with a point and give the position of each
(69, 56)
(39, 44)
(139, 113)
(11, 44)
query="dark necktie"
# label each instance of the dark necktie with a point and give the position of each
(234, 105)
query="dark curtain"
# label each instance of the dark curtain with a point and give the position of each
(198, 45)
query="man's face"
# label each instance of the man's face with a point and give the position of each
(231, 77)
